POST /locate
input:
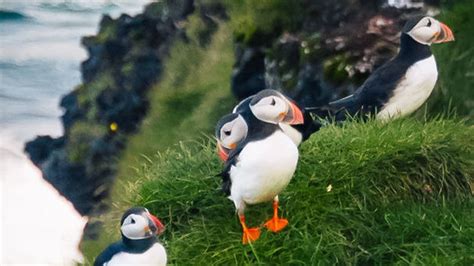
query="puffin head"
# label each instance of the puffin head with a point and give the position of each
(230, 131)
(427, 30)
(137, 223)
(273, 107)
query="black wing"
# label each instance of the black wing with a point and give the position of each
(108, 253)
(349, 102)
(225, 174)
(310, 125)
(375, 91)
(347, 106)
(226, 182)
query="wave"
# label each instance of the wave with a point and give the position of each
(4, 96)
(8, 15)
(6, 64)
(76, 7)
(7, 95)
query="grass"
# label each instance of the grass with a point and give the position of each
(419, 209)
(456, 62)
(253, 28)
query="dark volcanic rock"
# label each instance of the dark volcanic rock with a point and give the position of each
(90, 67)
(69, 179)
(178, 10)
(248, 76)
(41, 148)
(125, 108)
(145, 67)
(312, 89)
(72, 110)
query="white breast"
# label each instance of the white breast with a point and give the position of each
(412, 91)
(264, 169)
(291, 132)
(155, 256)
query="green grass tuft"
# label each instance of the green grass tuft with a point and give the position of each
(254, 22)
(81, 137)
(419, 209)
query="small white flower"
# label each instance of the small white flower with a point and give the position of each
(329, 188)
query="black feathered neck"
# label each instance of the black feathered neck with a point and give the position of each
(138, 245)
(412, 50)
(257, 129)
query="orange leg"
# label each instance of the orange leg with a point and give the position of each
(249, 234)
(276, 224)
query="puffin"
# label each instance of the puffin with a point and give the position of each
(270, 103)
(402, 85)
(138, 245)
(262, 163)
(282, 103)
(230, 131)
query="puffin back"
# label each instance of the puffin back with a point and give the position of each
(379, 87)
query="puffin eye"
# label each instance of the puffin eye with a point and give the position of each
(132, 221)
(273, 102)
(227, 133)
(429, 23)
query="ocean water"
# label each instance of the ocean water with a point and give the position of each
(40, 56)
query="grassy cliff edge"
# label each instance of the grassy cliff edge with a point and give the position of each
(363, 193)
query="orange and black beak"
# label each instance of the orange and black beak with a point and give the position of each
(444, 35)
(160, 228)
(222, 152)
(294, 116)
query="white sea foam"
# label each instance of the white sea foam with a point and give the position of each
(38, 225)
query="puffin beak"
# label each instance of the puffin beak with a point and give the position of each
(147, 230)
(160, 227)
(444, 35)
(296, 116)
(282, 116)
(222, 152)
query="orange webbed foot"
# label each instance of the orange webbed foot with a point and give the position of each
(276, 224)
(250, 235)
